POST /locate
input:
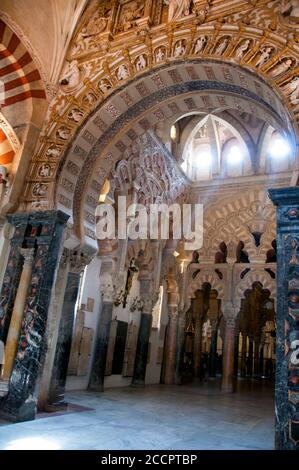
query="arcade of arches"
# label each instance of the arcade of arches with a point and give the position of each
(177, 101)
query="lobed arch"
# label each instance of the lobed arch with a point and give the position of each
(236, 216)
(210, 278)
(254, 276)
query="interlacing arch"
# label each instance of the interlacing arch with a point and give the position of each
(233, 221)
(246, 283)
(210, 278)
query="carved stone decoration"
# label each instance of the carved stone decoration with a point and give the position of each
(39, 190)
(45, 170)
(88, 37)
(178, 8)
(141, 62)
(160, 54)
(222, 45)
(200, 44)
(292, 89)
(179, 48)
(265, 55)
(53, 151)
(104, 85)
(290, 10)
(71, 78)
(282, 67)
(242, 49)
(128, 14)
(75, 115)
(122, 72)
(63, 133)
(89, 98)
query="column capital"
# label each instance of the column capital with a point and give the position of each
(28, 254)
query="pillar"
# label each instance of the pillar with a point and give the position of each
(236, 355)
(63, 347)
(97, 376)
(256, 356)
(227, 384)
(250, 357)
(143, 334)
(213, 352)
(12, 340)
(180, 349)
(197, 305)
(243, 354)
(45, 231)
(171, 344)
(287, 318)
(12, 271)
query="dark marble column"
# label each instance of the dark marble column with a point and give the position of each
(171, 345)
(227, 384)
(143, 333)
(256, 357)
(243, 355)
(96, 381)
(12, 273)
(287, 318)
(250, 358)
(213, 353)
(180, 350)
(44, 230)
(63, 348)
(236, 356)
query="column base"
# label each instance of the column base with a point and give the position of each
(4, 387)
(27, 412)
(53, 407)
(96, 388)
(138, 384)
(227, 387)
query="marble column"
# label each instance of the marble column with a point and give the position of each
(227, 384)
(12, 272)
(171, 345)
(12, 340)
(213, 352)
(180, 349)
(56, 399)
(97, 376)
(236, 356)
(287, 318)
(197, 305)
(45, 230)
(256, 356)
(143, 333)
(243, 355)
(250, 358)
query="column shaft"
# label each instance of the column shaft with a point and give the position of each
(142, 350)
(97, 376)
(17, 314)
(180, 350)
(171, 345)
(63, 346)
(287, 318)
(227, 384)
(197, 348)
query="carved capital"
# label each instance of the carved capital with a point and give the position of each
(28, 255)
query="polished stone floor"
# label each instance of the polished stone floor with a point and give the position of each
(157, 417)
